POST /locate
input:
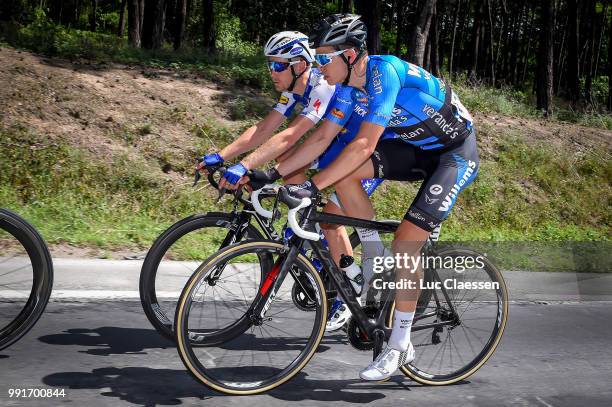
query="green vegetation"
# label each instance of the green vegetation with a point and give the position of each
(524, 191)
(243, 65)
(73, 198)
(240, 62)
(527, 190)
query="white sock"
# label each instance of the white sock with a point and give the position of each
(400, 335)
(370, 241)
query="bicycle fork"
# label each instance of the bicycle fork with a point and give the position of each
(271, 284)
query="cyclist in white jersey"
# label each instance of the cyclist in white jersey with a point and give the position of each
(290, 64)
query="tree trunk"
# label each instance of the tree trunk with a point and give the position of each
(573, 74)
(153, 24)
(588, 83)
(610, 67)
(141, 9)
(529, 38)
(93, 16)
(545, 58)
(370, 13)
(122, 18)
(452, 51)
(181, 17)
(434, 39)
(476, 33)
(400, 29)
(561, 58)
(491, 47)
(347, 6)
(418, 44)
(134, 23)
(209, 25)
(602, 29)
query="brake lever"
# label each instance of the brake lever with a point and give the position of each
(196, 178)
(222, 192)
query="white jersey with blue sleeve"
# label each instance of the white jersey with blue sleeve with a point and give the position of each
(315, 100)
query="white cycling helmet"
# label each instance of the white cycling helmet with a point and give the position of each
(289, 44)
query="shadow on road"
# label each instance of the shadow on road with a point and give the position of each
(115, 341)
(110, 340)
(150, 387)
(3, 356)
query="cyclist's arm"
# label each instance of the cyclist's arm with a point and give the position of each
(254, 136)
(279, 143)
(352, 156)
(312, 148)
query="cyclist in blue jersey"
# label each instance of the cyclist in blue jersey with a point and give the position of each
(289, 60)
(415, 129)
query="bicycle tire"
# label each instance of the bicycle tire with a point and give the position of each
(487, 351)
(185, 346)
(42, 284)
(149, 271)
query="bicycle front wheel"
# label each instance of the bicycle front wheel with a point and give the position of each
(26, 277)
(258, 352)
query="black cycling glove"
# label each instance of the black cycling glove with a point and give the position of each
(259, 178)
(304, 190)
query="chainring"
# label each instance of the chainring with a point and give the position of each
(359, 340)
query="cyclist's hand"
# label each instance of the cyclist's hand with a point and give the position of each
(232, 176)
(304, 190)
(208, 160)
(258, 178)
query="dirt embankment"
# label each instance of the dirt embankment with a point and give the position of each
(112, 108)
(108, 108)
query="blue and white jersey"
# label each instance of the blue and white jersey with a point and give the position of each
(315, 100)
(412, 104)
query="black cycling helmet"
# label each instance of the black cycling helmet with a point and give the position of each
(338, 31)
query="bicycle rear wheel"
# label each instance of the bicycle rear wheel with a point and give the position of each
(175, 255)
(256, 353)
(473, 320)
(26, 277)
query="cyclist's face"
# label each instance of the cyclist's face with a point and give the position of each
(336, 70)
(282, 80)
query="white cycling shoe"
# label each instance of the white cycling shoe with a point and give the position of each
(386, 363)
(339, 318)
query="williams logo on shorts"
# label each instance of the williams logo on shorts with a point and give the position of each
(283, 100)
(337, 113)
(450, 198)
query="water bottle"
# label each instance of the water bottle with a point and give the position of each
(353, 272)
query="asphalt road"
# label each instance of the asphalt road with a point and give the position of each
(94, 343)
(104, 353)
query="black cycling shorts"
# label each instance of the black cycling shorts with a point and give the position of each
(445, 173)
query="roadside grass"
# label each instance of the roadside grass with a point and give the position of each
(526, 192)
(73, 198)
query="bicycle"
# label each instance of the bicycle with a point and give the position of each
(256, 352)
(26, 277)
(246, 220)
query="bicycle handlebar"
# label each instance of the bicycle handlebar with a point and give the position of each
(256, 201)
(295, 204)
